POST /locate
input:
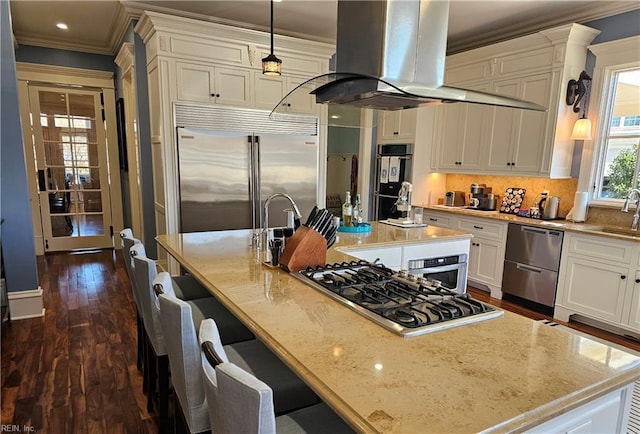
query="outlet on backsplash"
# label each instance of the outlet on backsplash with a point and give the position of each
(563, 188)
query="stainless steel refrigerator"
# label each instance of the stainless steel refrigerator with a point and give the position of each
(225, 177)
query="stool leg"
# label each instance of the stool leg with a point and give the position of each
(151, 376)
(163, 392)
(140, 329)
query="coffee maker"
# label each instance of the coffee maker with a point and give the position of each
(482, 198)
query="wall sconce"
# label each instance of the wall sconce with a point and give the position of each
(577, 90)
(271, 65)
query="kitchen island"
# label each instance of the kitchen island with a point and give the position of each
(502, 374)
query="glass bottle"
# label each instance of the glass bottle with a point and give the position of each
(347, 210)
(357, 211)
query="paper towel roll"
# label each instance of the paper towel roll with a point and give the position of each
(580, 206)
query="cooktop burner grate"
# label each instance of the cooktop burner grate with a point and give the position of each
(406, 304)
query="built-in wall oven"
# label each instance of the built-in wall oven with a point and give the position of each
(449, 271)
(393, 167)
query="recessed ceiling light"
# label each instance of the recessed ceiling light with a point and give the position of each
(62, 26)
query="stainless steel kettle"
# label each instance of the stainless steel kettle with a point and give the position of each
(551, 206)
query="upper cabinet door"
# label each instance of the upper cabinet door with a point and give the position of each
(201, 83)
(503, 129)
(195, 82)
(232, 86)
(300, 101)
(397, 126)
(269, 90)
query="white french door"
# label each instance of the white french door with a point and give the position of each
(71, 160)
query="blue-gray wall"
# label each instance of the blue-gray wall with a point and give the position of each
(144, 143)
(72, 59)
(616, 27)
(19, 253)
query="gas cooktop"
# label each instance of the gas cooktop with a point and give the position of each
(406, 304)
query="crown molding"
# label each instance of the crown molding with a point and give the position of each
(581, 14)
(139, 8)
(124, 58)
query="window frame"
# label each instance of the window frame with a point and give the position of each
(611, 58)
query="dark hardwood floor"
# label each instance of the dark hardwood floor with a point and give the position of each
(74, 371)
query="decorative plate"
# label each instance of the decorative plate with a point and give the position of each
(512, 200)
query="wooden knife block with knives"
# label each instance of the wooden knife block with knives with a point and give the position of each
(306, 248)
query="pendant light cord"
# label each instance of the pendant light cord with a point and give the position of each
(271, 26)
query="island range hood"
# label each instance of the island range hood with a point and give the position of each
(390, 55)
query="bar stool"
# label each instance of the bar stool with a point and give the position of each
(127, 241)
(190, 403)
(156, 366)
(238, 402)
(290, 392)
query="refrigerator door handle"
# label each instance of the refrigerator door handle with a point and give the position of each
(528, 268)
(252, 187)
(257, 188)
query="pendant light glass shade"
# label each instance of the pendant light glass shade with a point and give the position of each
(271, 65)
(581, 129)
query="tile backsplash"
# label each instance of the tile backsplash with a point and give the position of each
(563, 188)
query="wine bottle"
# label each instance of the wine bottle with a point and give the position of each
(347, 210)
(357, 212)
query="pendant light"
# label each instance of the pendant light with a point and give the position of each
(271, 65)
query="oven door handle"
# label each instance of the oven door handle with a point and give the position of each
(439, 269)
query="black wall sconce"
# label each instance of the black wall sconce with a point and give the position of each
(577, 90)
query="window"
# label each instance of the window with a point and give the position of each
(611, 168)
(619, 167)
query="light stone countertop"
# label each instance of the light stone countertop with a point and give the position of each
(560, 224)
(502, 374)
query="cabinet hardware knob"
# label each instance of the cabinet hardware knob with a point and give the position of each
(288, 105)
(513, 164)
(637, 280)
(432, 219)
(508, 164)
(213, 95)
(477, 227)
(623, 277)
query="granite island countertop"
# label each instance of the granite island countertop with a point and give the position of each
(503, 374)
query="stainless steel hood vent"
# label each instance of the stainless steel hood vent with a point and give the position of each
(391, 56)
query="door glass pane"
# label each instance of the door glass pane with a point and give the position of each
(81, 106)
(62, 226)
(92, 201)
(90, 225)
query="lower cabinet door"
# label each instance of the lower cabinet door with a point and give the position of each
(634, 315)
(486, 261)
(595, 289)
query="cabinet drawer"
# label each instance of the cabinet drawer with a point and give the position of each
(439, 219)
(482, 228)
(608, 249)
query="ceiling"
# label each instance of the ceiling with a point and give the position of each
(98, 26)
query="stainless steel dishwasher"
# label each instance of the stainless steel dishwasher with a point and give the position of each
(531, 264)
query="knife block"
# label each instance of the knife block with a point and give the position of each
(306, 248)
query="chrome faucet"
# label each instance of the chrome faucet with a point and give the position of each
(633, 194)
(265, 216)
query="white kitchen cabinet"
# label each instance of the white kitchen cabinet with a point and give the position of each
(202, 83)
(599, 278)
(535, 68)
(486, 254)
(607, 414)
(486, 262)
(397, 126)
(593, 288)
(269, 91)
(517, 136)
(440, 219)
(634, 305)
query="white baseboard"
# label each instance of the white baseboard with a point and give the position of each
(26, 304)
